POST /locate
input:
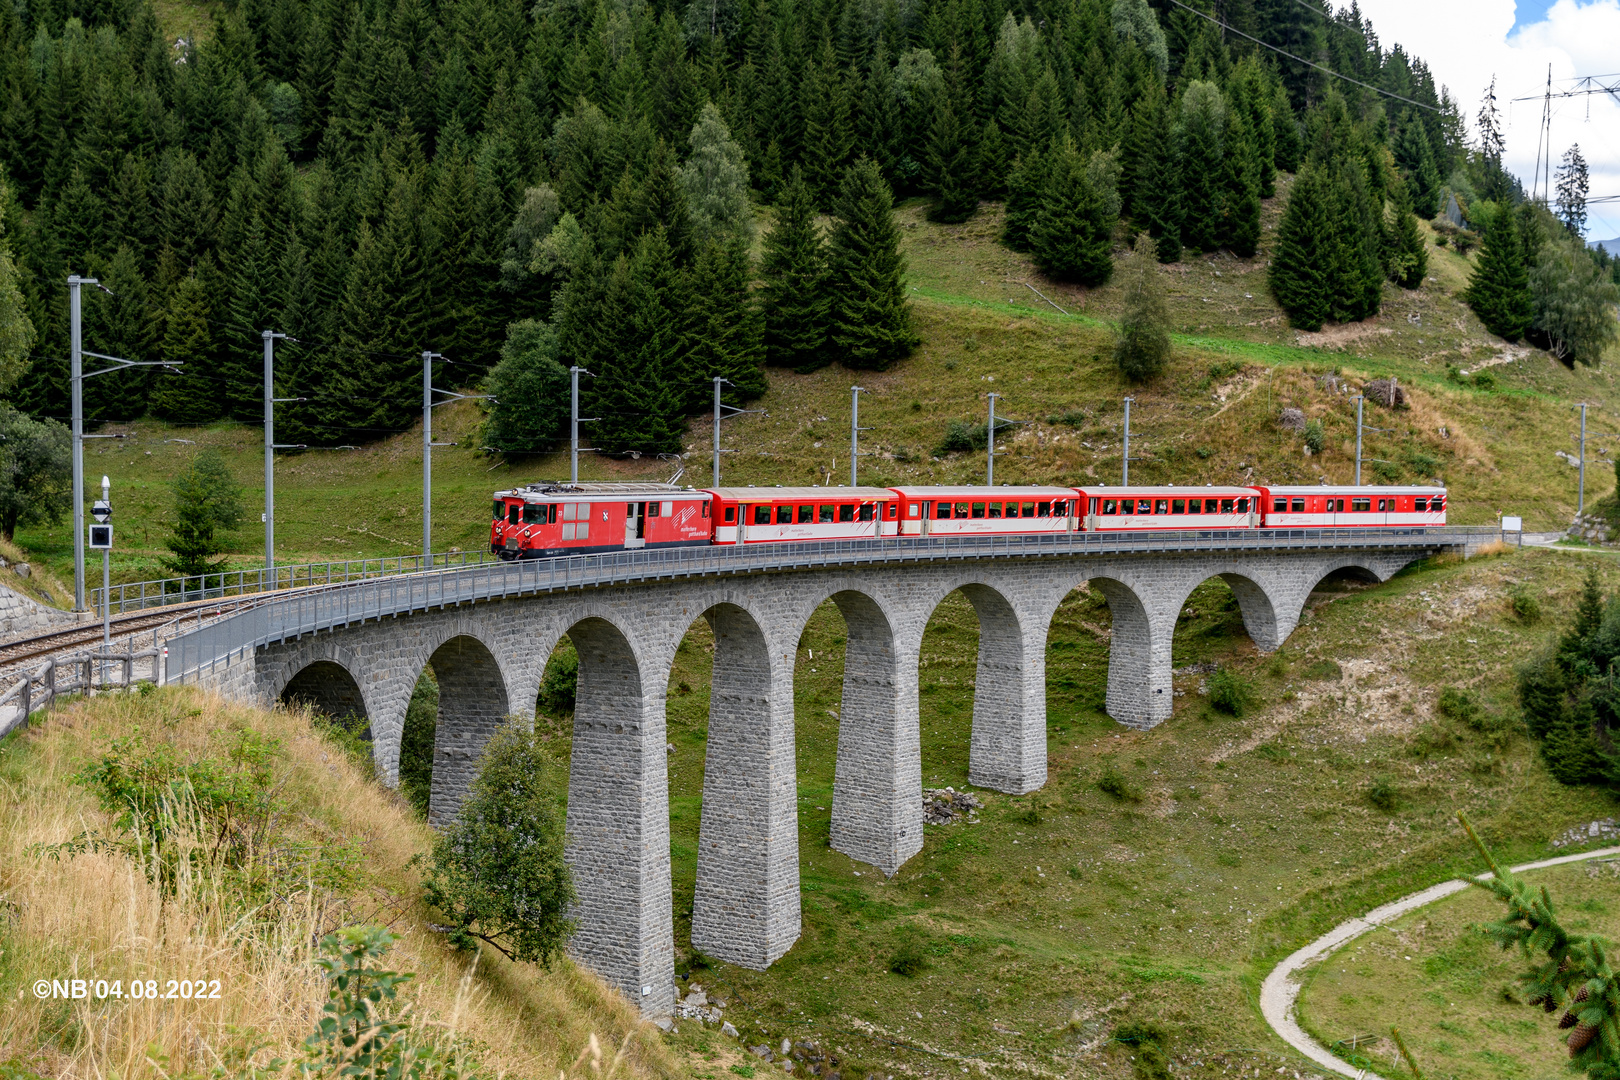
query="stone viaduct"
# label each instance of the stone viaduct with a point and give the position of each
(488, 632)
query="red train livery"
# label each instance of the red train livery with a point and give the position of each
(545, 520)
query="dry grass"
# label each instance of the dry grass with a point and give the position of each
(40, 585)
(98, 916)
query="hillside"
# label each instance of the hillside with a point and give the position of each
(1213, 416)
(334, 850)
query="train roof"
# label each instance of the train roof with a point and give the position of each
(979, 491)
(592, 491)
(1213, 489)
(1352, 489)
(777, 494)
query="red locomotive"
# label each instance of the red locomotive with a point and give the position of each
(544, 520)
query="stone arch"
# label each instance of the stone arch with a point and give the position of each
(745, 907)
(472, 704)
(877, 780)
(1007, 749)
(1256, 604)
(618, 819)
(327, 687)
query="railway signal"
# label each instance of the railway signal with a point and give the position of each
(101, 536)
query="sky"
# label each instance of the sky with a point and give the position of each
(1465, 42)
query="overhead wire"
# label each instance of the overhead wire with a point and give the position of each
(1302, 60)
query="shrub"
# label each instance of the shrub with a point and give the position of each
(497, 872)
(1458, 705)
(1384, 795)
(1142, 339)
(1524, 605)
(1112, 782)
(1322, 669)
(1148, 1040)
(1484, 380)
(1075, 418)
(1315, 437)
(561, 680)
(908, 960)
(962, 437)
(1230, 693)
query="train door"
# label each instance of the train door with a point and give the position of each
(927, 518)
(635, 525)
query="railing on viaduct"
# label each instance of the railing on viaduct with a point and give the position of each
(322, 607)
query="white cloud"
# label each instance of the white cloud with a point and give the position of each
(1465, 42)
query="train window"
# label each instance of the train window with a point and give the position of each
(961, 510)
(1162, 506)
(1360, 504)
(1226, 506)
(1108, 506)
(784, 515)
(995, 509)
(1029, 509)
(762, 515)
(1437, 504)
(533, 514)
(500, 510)
(1012, 509)
(1383, 504)
(1299, 506)
(652, 509)
(868, 511)
(826, 513)
(978, 510)
(1279, 506)
(731, 514)
(705, 508)
(942, 511)
(1045, 509)
(512, 513)
(1060, 508)
(913, 512)
(846, 512)
(1420, 505)
(1243, 506)
(894, 510)
(1144, 506)
(807, 515)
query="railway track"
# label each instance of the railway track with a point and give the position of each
(40, 645)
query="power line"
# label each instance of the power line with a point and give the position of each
(1302, 60)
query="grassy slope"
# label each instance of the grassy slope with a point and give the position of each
(1211, 418)
(1448, 987)
(97, 916)
(1252, 834)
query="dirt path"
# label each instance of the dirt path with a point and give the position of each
(1280, 992)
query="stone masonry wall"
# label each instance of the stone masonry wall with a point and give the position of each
(490, 658)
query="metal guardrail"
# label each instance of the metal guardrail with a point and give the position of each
(85, 672)
(280, 618)
(140, 595)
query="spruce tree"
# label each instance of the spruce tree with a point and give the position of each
(639, 393)
(1024, 188)
(1240, 195)
(793, 295)
(952, 156)
(1299, 271)
(1415, 157)
(1356, 281)
(187, 393)
(828, 132)
(724, 329)
(1199, 132)
(868, 314)
(1290, 148)
(16, 328)
(1499, 289)
(1407, 256)
(1073, 235)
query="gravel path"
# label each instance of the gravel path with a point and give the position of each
(1280, 992)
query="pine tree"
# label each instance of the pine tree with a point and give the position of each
(828, 133)
(952, 155)
(1415, 157)
(1073, 235)
(1499, 289)
(793, 296)
(1356, 281)
(1299, 274)
(1142, 341)
(1285, 127)
(189, 393)
(868, 314)
(1407, 256)
(1240, 195)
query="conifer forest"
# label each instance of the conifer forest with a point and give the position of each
(522, 188)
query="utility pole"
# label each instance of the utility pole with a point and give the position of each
(428, 390)
(1580, 500)
(270, 448)
(1125, 471)
(574, 421)
(723, 411)
(76, 376)
(855, 430)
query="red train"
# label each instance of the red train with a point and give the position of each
(544, 520)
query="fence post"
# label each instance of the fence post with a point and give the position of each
(27, 698)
